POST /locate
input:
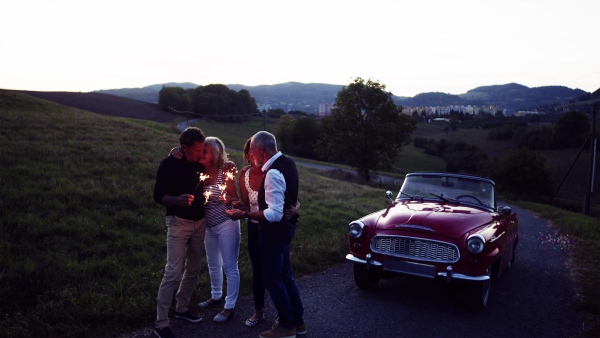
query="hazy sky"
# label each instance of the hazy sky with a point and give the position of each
(411, 46)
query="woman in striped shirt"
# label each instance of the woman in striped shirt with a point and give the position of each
(222, 239)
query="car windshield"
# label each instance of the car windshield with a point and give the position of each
(455, 188)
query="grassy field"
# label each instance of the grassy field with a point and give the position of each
(83, 245)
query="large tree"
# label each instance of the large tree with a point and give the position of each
(365, 129)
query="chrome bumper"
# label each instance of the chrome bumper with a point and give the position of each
(448, 275)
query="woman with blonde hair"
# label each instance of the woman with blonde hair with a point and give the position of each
(222, 239)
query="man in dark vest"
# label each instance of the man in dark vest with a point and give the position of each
(278, 191)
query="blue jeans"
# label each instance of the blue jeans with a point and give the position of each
(258, 287)
(278, 277)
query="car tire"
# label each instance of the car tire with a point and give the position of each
(478, 293)
(364, 279)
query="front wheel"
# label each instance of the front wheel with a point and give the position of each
(364, 279)
(479, 292)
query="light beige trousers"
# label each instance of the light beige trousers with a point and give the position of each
(185, 246)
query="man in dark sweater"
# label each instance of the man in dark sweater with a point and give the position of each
(179, 188)
(278, 191)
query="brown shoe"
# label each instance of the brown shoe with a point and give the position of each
(279, 332)
(300, 329)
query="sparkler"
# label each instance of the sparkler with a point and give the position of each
(201, 178)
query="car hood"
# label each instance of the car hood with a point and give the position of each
(451, 221)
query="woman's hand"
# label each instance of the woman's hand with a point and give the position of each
(236, 214)
(229, 166)
(289, 213)
(176, 152)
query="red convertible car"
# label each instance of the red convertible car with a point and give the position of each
(440, 226)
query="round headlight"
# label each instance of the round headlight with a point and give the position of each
(475, 243)
(355, 229)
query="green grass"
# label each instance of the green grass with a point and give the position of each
(83, 246)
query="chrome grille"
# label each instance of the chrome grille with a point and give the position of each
(415, 248)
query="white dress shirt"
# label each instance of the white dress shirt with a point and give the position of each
(274, 191)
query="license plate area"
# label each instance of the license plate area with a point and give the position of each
(410, 268)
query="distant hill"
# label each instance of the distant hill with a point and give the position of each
(146, 94)
(308, 96)
(516, 96)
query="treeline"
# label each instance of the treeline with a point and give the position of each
(298, 136)
(215, 101)
(522, 172)
(571, 129)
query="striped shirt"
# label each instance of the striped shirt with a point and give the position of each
(214, 207)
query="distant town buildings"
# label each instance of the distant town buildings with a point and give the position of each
(446, 110)
(325, 109)
(437, 113)
(522, 113)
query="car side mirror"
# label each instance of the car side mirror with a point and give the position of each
(388, 194)
(505, 210)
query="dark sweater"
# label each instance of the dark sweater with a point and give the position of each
(175, 177)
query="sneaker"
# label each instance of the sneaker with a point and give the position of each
(188, 315)
(278, 332)
(164, 332)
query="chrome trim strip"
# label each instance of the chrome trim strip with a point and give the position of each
(413, 227)
(355, 259)
(449, 274)
(494, 238)
(460, 276)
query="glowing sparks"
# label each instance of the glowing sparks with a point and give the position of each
(229, 175)
(206, 196)
(222, 187)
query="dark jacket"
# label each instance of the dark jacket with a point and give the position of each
(175, 177)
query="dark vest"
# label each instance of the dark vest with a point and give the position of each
(286, 166)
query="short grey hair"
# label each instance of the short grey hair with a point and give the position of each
(218, 149)
(266, 140)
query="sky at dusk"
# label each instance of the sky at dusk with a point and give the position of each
(410, 46)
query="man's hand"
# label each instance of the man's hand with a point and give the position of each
(184, 200)
(176, 152)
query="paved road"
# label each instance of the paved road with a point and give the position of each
(533, 299)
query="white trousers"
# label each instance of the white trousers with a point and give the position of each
(222, 245)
